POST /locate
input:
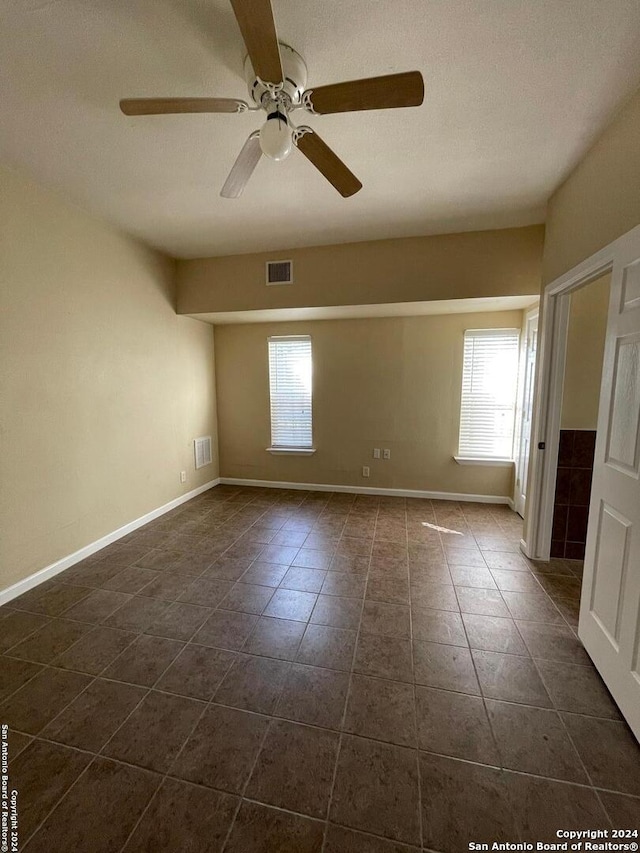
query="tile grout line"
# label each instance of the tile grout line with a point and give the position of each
(414, 690)
(241, 796)
(374, 677)
(488, 716)
(95, 755)
(554, 779)
(268, 509)
(255, 762)
(575, 749)
(24, 639)
(100, 754)
(172, 764)
(553, 707)
(348, 693)
(141, 633)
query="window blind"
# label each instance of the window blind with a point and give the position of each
(489, 387)
(290, 372)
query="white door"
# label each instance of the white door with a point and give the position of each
(610, 606)
(528, 376)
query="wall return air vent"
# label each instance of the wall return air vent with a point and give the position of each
(202, 451)
(279, 272)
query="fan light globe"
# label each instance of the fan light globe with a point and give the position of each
(275, 137)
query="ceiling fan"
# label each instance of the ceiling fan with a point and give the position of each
(277, 76)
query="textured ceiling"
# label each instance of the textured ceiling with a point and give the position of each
(515, 92)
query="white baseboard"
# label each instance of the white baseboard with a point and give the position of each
(52, 570)
(511, 504)
(24, 585)
(369, 490)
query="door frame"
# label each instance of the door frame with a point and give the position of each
(530, 314)
(552, 332)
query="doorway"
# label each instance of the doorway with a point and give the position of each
(609, 624)
(586, 332)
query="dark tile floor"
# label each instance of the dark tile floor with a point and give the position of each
(264, 670)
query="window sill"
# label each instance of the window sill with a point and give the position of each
(291, 451)
(480, 460)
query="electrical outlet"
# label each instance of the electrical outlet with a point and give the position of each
(376, 453)
(386, 454)
(183, 476)
(365, 471)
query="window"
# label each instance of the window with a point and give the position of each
(489, 385)
(290, 392)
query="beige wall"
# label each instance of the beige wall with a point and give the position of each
(600, 200)
(452, 266)
(585, 351)
(392, 383)
(102, 386)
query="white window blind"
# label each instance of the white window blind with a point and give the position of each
(290, 372)
(489, 386)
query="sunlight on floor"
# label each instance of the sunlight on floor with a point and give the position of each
(441, 529)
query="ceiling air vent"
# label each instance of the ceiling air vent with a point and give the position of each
(202, 451)
(279, 272)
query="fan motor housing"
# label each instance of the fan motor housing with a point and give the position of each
(294, 69)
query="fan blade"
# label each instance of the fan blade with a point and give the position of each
(255, 19)
(162, 106)
(243, 168)
(372, 93)
(325, 161)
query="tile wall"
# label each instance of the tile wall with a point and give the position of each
(573, 491)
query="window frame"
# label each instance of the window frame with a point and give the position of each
(469, 456)
(281, 449)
